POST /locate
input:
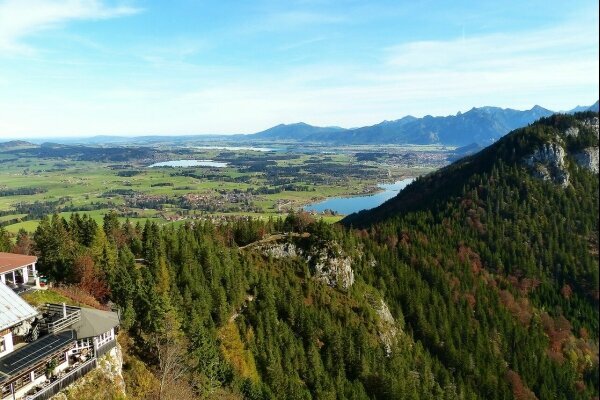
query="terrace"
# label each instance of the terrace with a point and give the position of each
(29, 364)
(66, 377)
(57, 317)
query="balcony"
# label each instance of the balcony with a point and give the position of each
(57, 317)
(44, 392)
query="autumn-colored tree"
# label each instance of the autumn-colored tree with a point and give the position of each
(89, 278)
(520, 391)
(24, 243)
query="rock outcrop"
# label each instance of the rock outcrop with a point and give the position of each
(282, 250)
(588, 159)
(332, 266)
(593, 123)
(548, 163)
(111, 365)
(327, 261)
(386, 327)
(572, 131)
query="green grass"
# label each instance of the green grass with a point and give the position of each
(83, 183)
(39, 297)
(29, 226)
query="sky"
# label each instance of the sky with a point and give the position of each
(110, 67)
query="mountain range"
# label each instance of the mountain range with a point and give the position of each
(481, 126)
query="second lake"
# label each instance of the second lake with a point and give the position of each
(189, 163)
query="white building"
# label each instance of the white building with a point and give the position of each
(18, 271)
(42, 351)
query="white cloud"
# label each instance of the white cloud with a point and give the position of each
(556, 67)
(21, 18)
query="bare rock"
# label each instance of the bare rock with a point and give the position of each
(282, 250)
(548, 163)
(386, 325)
(588, 159)
(593, 123)
(332, 266)
(572, 131)
(112, 366)
(327, 261)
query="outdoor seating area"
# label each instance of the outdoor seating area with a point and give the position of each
(62, 379)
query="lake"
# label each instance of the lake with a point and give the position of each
(189, 163)
(349, 205)
(236, 148)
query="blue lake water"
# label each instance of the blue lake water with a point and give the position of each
(349, 205)
(189, 163)
(236, 148)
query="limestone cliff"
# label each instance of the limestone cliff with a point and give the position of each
(327, 260)
(588, 159)
(548, 163)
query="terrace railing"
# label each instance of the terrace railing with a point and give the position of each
(73, 314)
(105, 348)
(48, 391)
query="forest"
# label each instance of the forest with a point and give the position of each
(480, 281)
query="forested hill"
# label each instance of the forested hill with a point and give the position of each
(483, 287)
(516, 227)
(552, 147)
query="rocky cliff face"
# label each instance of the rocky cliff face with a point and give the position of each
(281, 250)
(386, 327)
(548, 163)
(328, 261)
(594, 124)
(588, 159)
(105, 382)
(111, 366)
(332, 266)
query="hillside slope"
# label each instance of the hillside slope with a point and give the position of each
(511, 233)
(513, 149)
(299, 131)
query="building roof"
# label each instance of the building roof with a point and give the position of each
(13, 309)
(10, 261)
(33, 353)
(95, 322)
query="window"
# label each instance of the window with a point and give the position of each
(2, 345)
(39, 371)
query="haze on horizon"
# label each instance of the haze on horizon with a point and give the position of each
(111, 67)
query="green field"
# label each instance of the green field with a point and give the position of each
(252, 185)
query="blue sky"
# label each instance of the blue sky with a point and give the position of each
(88, 67)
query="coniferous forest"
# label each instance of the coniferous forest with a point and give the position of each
(479, 281)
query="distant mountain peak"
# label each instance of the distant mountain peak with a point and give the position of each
(481, 125)
(15, 143)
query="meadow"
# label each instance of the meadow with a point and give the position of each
(37, 180)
